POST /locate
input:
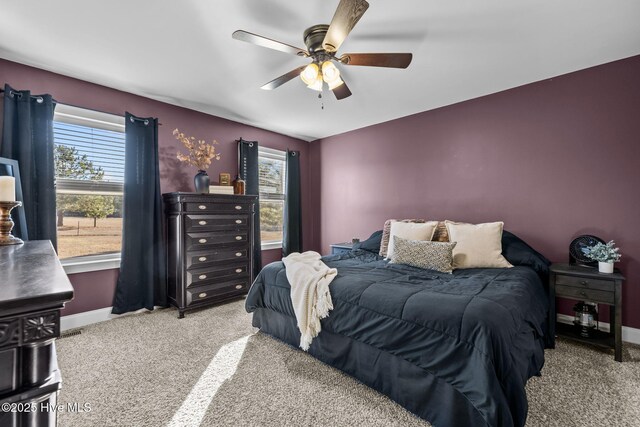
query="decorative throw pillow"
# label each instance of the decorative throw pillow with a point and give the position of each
(429, 255)
(411, 231)
(386, 233)
(479, 245)
(441, 234)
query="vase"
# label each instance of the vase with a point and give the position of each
(201, 181)
(238, 185)
(605, 267)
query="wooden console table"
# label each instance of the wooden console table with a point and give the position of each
(33, 289)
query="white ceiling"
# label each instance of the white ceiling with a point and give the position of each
(181, 52)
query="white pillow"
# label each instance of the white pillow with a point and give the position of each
(411, 231)
(479, 245)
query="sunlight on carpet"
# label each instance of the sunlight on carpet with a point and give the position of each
(221, 368)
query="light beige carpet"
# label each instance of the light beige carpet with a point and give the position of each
(211, 369)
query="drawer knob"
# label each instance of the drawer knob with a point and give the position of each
(202, 276)
(583, 293)
(202, 259)
(203, 207)
(238, 207)
(238, 237)
(584, 283)
(202, 294)
(238, 286)
(238, 253)
(238, 221)
(238, 270)
(202, 241)
(202, 222)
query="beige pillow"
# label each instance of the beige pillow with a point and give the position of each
(411, 231)
(479, 245)
(386, 231)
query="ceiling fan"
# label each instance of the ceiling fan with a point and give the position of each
(323, 42)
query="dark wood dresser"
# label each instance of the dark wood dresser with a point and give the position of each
(210, 250)
(33, 289)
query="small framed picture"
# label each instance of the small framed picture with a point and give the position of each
(225, 178)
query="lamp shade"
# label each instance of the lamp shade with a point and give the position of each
(330, 72)
(310, 74)
(317, 85)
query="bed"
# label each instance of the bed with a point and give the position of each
(454, 349)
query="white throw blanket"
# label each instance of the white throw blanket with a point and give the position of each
(309, 279)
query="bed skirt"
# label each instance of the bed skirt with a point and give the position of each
(415, 389)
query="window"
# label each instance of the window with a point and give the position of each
(89, 160)
(272, 173)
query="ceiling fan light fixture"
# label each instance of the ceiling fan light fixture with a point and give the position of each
(330, 72)
(317, 85)
(311, 74)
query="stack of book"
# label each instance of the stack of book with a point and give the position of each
(220, 189)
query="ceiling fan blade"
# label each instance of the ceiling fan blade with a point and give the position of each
(283, 79)
(346, 17)
(248, 37)
(390, 60)
(342, 92)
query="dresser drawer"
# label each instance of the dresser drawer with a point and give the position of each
(203, 294)
(202, 259)
(205, 207)
(584, 294)
(197, 241)
(194, 222)
(585, 283)
(216, 274)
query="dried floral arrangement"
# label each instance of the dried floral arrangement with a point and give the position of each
(200, 153)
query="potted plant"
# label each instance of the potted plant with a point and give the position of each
(605, 253)
(200, 154)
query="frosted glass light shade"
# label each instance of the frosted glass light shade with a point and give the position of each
(310, 74)
(330, 72)
(317, 85)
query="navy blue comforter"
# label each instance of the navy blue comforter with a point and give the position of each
(456, 349)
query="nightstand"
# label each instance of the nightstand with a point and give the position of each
(587, 284)
(340, 248)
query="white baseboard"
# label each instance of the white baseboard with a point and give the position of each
(85, 318)
(631, 335)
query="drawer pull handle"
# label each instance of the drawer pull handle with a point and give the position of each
(202, 294)
(202, 222)
(238, 207)
(202, 276)
(238, 270)
(202, 241)
(238, 221)
(238, 237)
(238, 253)
(584, 283)
(583, 293)
(203, 207)
(202, 259)
(238, 286)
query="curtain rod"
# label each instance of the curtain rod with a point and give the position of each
(38, 98)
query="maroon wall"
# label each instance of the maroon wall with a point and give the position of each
(95, 290)
(553, 159)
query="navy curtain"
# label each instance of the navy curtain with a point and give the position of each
(27, 136)
(292, 238)
(248, 170)
(142, 282)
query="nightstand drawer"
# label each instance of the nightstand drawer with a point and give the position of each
(584, 294)
(585, 283)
